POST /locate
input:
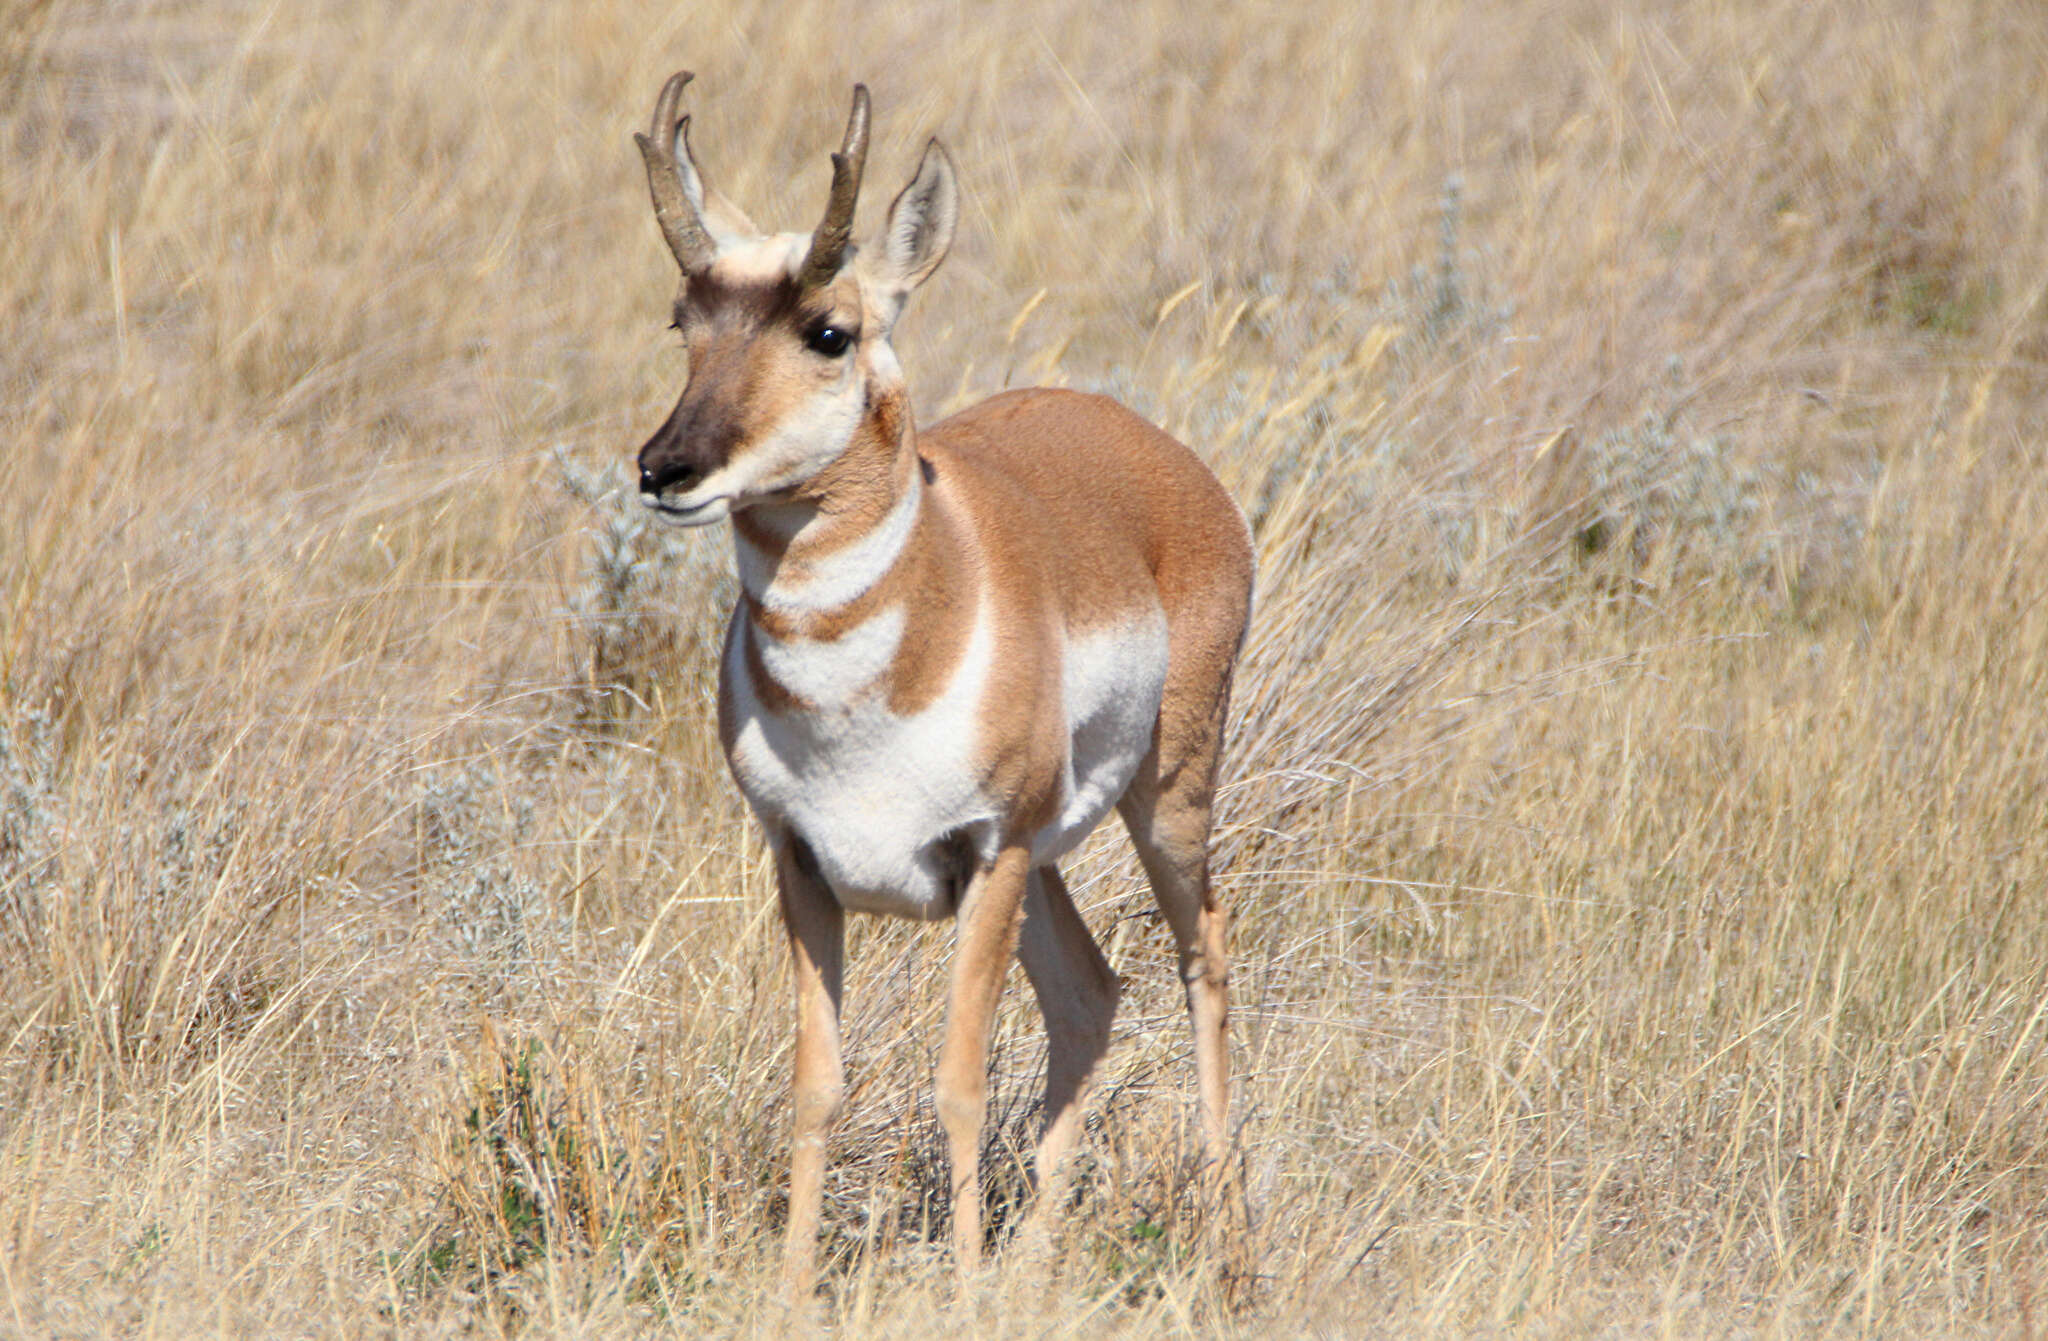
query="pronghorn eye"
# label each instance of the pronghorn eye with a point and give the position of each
(828, 340)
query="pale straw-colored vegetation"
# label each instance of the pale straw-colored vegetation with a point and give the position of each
(1638, 814)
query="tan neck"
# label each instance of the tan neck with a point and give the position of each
(842, 530)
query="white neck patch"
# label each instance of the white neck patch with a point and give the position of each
(829, 675)
(834, 578)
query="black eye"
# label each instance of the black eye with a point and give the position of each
(828, 340)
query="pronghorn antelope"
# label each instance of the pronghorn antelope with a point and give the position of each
(955, 649)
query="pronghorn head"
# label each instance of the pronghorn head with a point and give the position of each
(787, 333)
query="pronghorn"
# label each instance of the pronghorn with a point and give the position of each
(954, 649)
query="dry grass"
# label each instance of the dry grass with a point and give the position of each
(1638, 822)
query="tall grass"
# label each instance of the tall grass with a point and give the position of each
(1637, 816)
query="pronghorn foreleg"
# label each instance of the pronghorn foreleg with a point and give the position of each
(816, 927)
(1077, 993)
(985, 941)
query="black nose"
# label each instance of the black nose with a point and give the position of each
(654, 479)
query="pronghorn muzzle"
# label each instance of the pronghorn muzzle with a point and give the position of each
(698, 437)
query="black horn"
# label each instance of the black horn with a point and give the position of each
(828, 243)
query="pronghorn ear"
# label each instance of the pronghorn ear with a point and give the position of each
(920, 228)
(726, 221)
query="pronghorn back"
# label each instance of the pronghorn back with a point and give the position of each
(1113, 519)
(1093, 480)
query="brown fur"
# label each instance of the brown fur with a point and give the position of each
(1049, 515)
(1066, 513)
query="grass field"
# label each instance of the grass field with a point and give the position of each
(1637, 817)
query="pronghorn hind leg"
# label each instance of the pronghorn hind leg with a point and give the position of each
(1077, 993)
(985, 940)
(816, 927)
(1168, 810)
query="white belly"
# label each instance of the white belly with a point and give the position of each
(1111, 682)
(874, 795)
(881, 799)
